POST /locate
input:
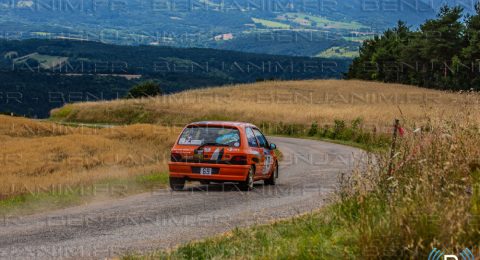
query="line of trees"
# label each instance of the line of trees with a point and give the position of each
(444, 53)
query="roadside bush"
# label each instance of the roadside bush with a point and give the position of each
(338, 128)
(353, 133)
(284, 129)
(148, 88)
(313, 129)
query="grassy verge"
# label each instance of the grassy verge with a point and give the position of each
(65, 196)
(352, 133)
(318, 235)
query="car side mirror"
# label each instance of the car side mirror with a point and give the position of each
(273, 146)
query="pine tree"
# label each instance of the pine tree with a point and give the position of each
(471, 53)
(444, 53)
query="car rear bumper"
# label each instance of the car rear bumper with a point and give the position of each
(226, 172)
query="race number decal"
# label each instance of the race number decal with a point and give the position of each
(268, 162)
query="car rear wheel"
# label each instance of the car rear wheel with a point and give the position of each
(247, 185)
(177, 183)
(273, 177)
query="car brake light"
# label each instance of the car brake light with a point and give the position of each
(176, 157)
(239, 160)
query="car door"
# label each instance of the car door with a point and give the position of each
(267, 157)
(257, 151)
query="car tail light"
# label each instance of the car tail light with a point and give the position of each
(239, 160)
(176, 157)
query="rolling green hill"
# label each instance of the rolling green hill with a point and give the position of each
(38, 75)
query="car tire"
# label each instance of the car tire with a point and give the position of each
(273, 177)
(247, 185)
(177, 184)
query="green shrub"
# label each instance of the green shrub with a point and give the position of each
(338, 128)
(313, 129)
(148, 88)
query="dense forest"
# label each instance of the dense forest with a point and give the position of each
(38, 75)
(444, 53)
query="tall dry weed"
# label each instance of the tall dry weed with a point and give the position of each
(431, 199)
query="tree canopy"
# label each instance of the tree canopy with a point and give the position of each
(148, 88)
(443, 53)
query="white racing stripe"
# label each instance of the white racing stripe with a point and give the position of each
(215, 154)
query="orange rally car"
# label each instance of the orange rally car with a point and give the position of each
(222, 152)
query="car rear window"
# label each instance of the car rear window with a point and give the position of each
(213, 135)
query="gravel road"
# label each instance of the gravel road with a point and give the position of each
(161, 219)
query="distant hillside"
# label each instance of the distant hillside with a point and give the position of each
(38, 75)
(275, 27)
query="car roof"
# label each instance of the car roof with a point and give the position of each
(223, 123)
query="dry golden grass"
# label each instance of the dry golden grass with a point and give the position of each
(431, 199)
(301, 102)
(41, 155)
